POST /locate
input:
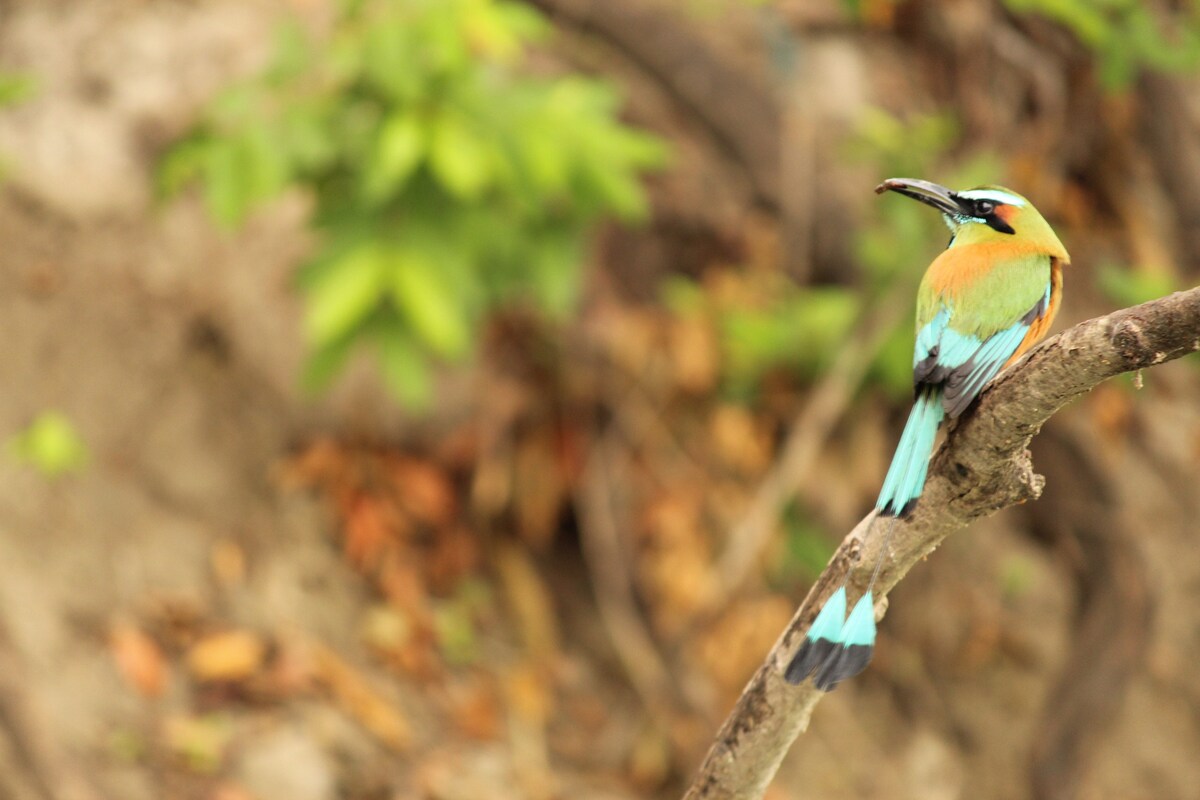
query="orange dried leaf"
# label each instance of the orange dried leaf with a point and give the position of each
(229, 656)
(354, 695)
(528, 690)
(139, 659)
(694, 354)
(401, 580)
(230, 791)
(228, 561)
(455, 554)
(633, 337)
(529, 601)
(541, 488)
(476, 711)
(367, 531)
(425, 491)
(738, 439)
(732, 646)
(319, 462)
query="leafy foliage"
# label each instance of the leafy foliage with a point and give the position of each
(445, 181)
(1127, 36)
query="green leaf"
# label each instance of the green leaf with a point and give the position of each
(459, 157)
(428, 303)
(324, 364)
(226, 191)
(405, 370)
(293, 53)
(556, 274)
(50, 444)
(346, 291)
(265, 164)
(462, 180)
(390, 60)
(182, 165)
(398, 151)
(619, 191)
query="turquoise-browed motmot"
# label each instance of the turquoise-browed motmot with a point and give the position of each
(989, 297)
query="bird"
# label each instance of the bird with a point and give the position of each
(984, 301)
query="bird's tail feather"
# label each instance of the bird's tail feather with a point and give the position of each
(910, 463)
(838, 647)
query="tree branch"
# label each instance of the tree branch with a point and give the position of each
(982, 467)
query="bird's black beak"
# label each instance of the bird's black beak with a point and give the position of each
(939, 197)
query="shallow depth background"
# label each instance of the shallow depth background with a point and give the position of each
(235, 588)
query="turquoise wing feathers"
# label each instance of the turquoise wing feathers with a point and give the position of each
(961, 346)
(986, 299)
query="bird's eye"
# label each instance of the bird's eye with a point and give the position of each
(984, 207)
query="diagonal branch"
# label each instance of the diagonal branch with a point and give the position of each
(983, 466)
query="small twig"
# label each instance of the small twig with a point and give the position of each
(982, 467)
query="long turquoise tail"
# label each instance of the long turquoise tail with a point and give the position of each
(834, 648)
(910, 463)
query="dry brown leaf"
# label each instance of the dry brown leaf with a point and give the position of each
(139, 659)
(369, 530)
(454, 554)
(319, 462)
(695, 354)
(492, 485)
(675, 563)
(529, 601)
(672, 519)
(230, 791)
(632, 336)
(732, 647)
(528, 691)
(354, 695)
(229, 656)
(541, 487)
(682, 583)
(425, 491)
(475, 710)
(738, 441)
(228, 561)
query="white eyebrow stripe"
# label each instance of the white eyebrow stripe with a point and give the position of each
(995, 195)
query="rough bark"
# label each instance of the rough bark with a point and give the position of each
(982, 467)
